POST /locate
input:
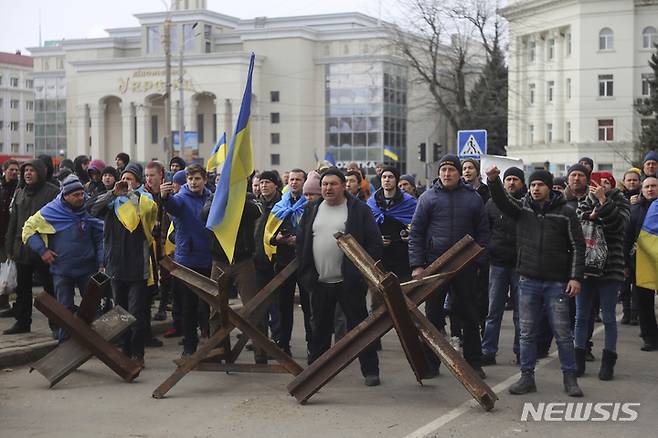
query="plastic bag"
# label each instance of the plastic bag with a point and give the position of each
(596, 249)
(7, 277)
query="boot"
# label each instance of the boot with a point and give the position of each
(608, 361)
(626, 317)
(571, 385)
(17, 329)
(525, 384)
(635, 319)
(580, 361)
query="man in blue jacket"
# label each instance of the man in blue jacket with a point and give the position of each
(446, 213)
(68, 239)
(192, 243)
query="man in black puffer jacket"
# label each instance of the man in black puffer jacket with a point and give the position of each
(550, 262)
(446, 213)
(502, 273)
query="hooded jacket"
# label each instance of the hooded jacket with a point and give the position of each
(502, 247)
(79, 171)
(550, 242)
(28, 199)
(442, 218)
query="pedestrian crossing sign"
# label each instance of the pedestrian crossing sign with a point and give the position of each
(472, 144)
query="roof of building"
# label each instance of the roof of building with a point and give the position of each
(15, 59)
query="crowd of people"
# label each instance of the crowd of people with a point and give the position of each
(542, 236)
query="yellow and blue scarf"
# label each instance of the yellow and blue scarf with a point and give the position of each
(279, 213)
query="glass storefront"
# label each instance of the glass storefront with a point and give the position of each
(50, 115)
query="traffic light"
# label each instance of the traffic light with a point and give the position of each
(437, 151)
(422, 152)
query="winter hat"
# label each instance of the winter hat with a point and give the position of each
(588, 160)
(560, 181)
(515, 171)
(475, 163)
(394, 171)
(178, 160)
(410, 179)
(635, 170)
(650, 156)
(180, 177)
(135, 169)
(598, 176)
(110, 170)
(71, 184)
(333, 171)
(123, 157)
(579, 168)
(96, 165)
(451, 160)
(270, 176)
(542, 175)
(312, 184)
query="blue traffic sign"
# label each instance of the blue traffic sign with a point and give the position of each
(472, 144)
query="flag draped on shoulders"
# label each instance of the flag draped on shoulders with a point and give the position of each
(57, 216)
(218, 155)
(228, 203)
(134, 208)
(279, 213)
(402, 212)
(646, 258)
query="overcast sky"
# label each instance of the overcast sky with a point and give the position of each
(19, 19)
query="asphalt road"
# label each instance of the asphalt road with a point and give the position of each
(95, 402)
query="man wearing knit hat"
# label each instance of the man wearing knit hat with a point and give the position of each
(550, 262)
(407, 184)
(69, 240)
(650, 164)
(109, 177)
(502, 273)
(176, 164)
(577, 184)
(446, 213)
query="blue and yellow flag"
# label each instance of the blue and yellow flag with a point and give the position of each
(228, 202)
(218, 155)
(388, 152)
(279, 213)
(646, 257)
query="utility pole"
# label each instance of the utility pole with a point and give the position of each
(168, 143)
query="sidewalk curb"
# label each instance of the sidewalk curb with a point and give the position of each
(18, 356)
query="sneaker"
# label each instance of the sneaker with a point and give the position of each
(172, 333)
(153, 343)
(17, 329)
(160, 315)
(488, 359)
(372, 380)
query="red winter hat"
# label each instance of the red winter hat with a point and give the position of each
(598, 176)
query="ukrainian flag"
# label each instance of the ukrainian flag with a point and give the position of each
(646, 257)
(388, 152)
(228, 202)
(218, 155)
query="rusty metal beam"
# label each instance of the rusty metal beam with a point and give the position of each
(88, 338)
(95, 290)
(241, 368)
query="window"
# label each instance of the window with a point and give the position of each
(2, 124)
(154, 130)
(274, 96)
(0, 79)
(550, 52)
(531, 134)
(532, 50)
(568, 88)
(13, 103)
(207, 36)
(606, 39)
(29, 83)
(173, 37)
(14, 148)
(605, 167)
(152, 39)
(29, 105)
(275, 117)
(606, 85)
(606, 130)
(13, 126)
(29, 148)
(29, 127)
(549, 133)
(188, 36)
(531, 94)
(275, 138)
(1, 102)
(199, 127)
(647, 78)
(568, 43)
(567, 130)
(550, 90)
(275, 159)
(649, 37)
(13, 82)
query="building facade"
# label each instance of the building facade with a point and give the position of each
(16, 104)
(576, 68)
(322, 85)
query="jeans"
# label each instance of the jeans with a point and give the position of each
(501, 280)
(192, 309)
(133, 297)
(324, 297)
(532, 295)
(608, 291)
(65, 291)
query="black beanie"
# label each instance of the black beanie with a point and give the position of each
(515, 171)
(270, 176)
(394, 171)
(135, 169)
(112, 171)
(451, 160)
(333, 171)
(588, 160)
(579, 168)
(542, 175)
(124, 157)
(178, 160)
